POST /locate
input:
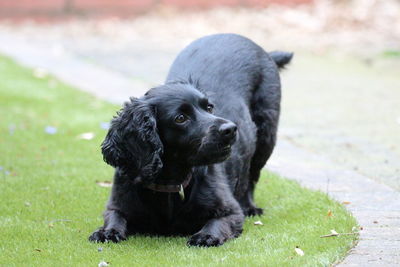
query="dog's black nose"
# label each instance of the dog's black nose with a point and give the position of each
(228, 131)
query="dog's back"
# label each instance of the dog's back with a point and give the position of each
(223, 64)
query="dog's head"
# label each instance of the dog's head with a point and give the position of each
(173, 122)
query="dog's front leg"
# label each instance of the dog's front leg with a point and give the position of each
(114, 228)
(218, 230)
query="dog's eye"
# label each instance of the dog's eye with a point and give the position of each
(210, 108)
(180, 118)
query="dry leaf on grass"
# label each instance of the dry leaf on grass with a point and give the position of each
(346, 202)
(334, 233)
(299, 251)
(103, 264)
(104, 183)
(40, 73)
(86, 136)
(330, 214)
(223, 258)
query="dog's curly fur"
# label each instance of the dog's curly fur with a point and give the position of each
(215, 119)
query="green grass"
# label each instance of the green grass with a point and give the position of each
(50, 201)
(391, 53)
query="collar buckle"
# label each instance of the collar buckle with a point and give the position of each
(172, 188)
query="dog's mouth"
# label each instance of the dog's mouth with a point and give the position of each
(220, 153)
(225, 150)
(210, 154)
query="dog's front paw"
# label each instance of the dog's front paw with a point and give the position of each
(205, 240)
(252, 211)
(103, 236)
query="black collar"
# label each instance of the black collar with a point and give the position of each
(171, 188)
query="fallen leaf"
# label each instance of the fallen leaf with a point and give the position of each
(38, 250)
(333, 232)
(258, 223)
(104, 183)
(50, 130)
(103, 264)
(51, 225)
(346, 202)
(40, 73)
(330, 214)
(299, 251)
(86, 136)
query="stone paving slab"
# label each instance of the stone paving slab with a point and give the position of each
(376, 206)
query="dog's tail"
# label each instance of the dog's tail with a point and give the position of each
(281, 58)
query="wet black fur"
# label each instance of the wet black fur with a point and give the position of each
(145, 144)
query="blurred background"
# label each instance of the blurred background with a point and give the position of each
(341, 94)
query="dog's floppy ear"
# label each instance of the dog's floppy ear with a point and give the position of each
(132, 142)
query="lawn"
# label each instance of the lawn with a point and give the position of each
(50, 201)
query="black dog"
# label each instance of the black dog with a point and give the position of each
(188, 154)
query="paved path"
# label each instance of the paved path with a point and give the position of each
(376, 206)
